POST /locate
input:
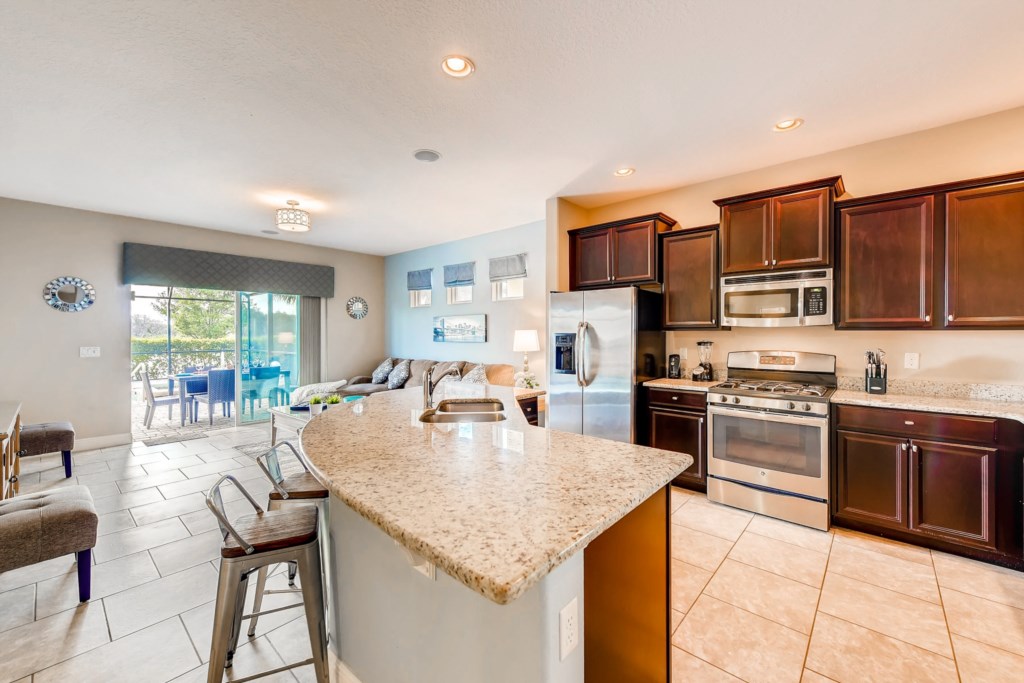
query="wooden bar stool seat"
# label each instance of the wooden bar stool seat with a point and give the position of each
(302, 486)
(273, 530)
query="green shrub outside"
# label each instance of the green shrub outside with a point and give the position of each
(152, 351)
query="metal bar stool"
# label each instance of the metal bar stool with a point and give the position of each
(302, 489)
(253, 542)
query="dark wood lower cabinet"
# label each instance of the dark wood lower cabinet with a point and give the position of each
(531, 409)
(676, 420)
(871, 473)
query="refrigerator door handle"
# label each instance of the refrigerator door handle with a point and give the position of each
(581, 371)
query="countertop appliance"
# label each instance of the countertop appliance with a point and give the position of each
(704, 372)
(606, 342)
(768, 436)
(788, 299)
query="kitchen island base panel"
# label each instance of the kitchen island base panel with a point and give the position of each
(389, 622)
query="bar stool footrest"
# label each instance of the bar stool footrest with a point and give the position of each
(278, 670)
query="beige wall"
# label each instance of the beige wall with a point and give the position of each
(989, 145)
(39, 347)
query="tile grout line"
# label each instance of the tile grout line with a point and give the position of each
(821, 591)
(945, 618)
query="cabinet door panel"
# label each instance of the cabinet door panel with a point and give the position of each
(885, 253)
(800, 230)
(593, 259)
(871, 479)
(985, 257)
(746, 229)
(691, 279)
(682, 432)
(952, 491)
(633, 253)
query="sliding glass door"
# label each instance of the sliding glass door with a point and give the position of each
(268, 353)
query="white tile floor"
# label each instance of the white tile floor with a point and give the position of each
(754, 599)
(154, 575)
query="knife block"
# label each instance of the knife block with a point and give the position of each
(876, 385)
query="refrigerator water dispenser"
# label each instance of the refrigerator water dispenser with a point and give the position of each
(564, 362)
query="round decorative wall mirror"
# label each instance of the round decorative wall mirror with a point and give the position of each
(357, 307)
(69, 294)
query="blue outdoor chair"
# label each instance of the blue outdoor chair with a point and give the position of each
(220, 389)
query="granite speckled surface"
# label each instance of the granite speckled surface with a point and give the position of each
(1012, 410)
(684, 384)
(924, 387)
(495, 505)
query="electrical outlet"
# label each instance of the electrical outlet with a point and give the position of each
(568, 629)
(911, 361)
(682, 353)
(88, 352)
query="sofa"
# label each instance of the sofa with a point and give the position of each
(362, 385)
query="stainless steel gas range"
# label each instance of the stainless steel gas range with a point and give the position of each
(768, 439)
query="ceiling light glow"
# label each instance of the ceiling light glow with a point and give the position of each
(457, 66)
(624, 171)
(788, 124)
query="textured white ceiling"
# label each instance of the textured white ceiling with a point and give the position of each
(209, 113)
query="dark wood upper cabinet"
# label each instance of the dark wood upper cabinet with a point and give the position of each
(886, 251)
(746, 236)
(616, 254)
(690, 276)
(984, 267)
(783, 228)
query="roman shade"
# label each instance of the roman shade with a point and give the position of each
(508, 267)
(460, 274)
(146, 264)
(419, 279)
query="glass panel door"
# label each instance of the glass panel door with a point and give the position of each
(268, 352)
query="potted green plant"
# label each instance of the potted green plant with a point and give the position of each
(333, 400)
(316, 404)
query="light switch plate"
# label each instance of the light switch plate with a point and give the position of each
(911, 361)
(88, 352)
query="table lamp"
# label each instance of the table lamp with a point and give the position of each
(526, 341)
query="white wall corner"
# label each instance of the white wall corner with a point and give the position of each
(338, 671)
(93, 442)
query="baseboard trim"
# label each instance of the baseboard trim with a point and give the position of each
(91, 443)
(339, 672)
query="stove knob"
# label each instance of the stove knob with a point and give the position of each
(791, 405)
(807, 407)
(735, 399)
(723, 399)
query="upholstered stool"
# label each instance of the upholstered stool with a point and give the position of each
(293, 489)
(49, 437)
(41, 526)
(250, 543)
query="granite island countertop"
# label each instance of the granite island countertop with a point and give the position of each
(495, 505)
(1011, 410)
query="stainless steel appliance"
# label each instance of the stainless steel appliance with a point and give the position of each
(606, 342)
(768, 440)
(789, 299)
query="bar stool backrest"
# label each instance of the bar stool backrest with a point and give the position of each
(271, 466)
(215, 501)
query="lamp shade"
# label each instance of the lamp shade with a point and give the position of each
(526, 341)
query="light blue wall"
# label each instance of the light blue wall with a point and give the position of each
(409, 330)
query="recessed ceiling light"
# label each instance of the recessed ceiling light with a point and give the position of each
(293, 219)
(457, 66)
(269, 232)
(788, 124)
(624, 171)
(426, 155)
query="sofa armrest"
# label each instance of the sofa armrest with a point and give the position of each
(360, 379)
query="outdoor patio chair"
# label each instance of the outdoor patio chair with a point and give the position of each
(152, 401)
(220, 389)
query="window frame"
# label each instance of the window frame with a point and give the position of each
(452, 295)
(498, 285)
(418, 300)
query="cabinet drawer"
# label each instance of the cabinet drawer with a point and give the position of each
(914, 424)
(678, 399)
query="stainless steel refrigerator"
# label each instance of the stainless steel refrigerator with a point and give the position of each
(604, 343)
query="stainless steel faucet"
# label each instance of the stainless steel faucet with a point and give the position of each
(428, 386)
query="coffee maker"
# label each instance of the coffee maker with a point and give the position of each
(704, 372)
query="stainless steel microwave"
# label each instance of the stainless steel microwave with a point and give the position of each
(789, 299)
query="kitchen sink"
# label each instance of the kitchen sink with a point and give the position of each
(437, 417)
(470, 405)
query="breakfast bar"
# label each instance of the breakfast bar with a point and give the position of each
(498, 551)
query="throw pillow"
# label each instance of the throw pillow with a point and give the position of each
(477, 375)
(304, 392)
(380, 375)
(400, 375)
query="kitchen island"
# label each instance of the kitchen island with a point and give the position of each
(453, 548)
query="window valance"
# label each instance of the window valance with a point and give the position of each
(460, 274)
(419, 279)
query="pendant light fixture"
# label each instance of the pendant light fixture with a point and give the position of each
(293, 219)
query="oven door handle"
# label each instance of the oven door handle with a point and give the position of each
(771, 417)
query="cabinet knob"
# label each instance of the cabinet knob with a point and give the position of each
(914, 448)
(675, 398)
(766, 262)
(909, 423)
(927, 318)
(774, 261)
(700, 420)
(950, 317)
(903, 446)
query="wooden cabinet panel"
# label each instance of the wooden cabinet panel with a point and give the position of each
(985, 256)
(952, 491)
(911, 424)
(801, 230)
(682, 432)
(531, 410)
(886, 253)
(871, 479)
(633, 251)
(690, 270)
(675, 399)
(593, 259)
(746, 236)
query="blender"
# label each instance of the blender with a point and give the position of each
(703, 372)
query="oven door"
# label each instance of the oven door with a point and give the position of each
(773, 450)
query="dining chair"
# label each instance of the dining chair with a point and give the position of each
(220, 388)
(152, 401)
(261, 385)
